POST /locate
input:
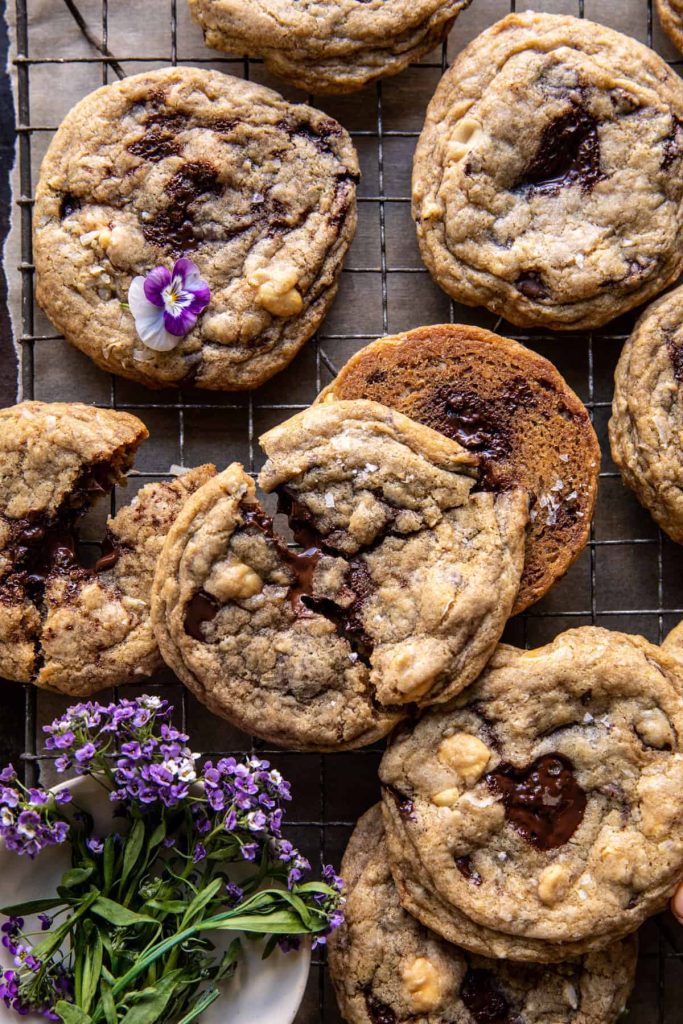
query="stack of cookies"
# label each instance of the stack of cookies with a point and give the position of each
(190, 229)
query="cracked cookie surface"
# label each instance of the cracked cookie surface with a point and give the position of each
(400, 595)
(547, 179)
(647, 413)
(387, 968)
(511, 408)
(181, 162)
(328, 46)
(541, 815)
(64, 626)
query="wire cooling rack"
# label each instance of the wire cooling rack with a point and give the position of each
(628, 578)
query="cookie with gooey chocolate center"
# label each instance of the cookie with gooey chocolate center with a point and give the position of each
(540, 816)
(399, 595)
(328, 46)
(511, 408)
(259, 193)
(646, 426)
(547, 180)
(65, 626)
(387, 968)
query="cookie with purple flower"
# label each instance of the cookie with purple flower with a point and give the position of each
(397, 597)
(387, 967)
(190, 227)
(64, 625)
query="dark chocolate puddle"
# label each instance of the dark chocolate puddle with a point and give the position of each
(543, 801)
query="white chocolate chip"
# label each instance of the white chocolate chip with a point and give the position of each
(233, 581)
(447, 797)
(654, 729)
(275, 289)
(466, 754)
(553, 883)
(423, 983)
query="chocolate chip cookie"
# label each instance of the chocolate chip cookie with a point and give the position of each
(178, 164)
(673, 643)
(387, 968)
(400, 594)
(541, 815)
(547, 182)
(328, 46)
(509, 406)
(647, 413)
(671, 16)
(63, 625)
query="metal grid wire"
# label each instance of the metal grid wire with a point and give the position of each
(627, 579)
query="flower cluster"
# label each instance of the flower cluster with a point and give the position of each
(133, 742)
(27, 818)
(246, 796)
(31, 986)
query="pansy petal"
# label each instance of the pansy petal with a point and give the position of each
(185, 269)
(137, 300)
(181, 323)
(200, 300)
(158, 338)
(155, 282)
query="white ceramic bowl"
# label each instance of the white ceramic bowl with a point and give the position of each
(261, 991)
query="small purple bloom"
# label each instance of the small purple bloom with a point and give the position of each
(86, 753)
(45, 921)
(94, 844)
(165, 304)
(64, 796)
(199, 854)
(8, 774)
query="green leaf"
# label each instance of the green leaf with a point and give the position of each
(75, 877)
(117, 915)
(158, 835)
(91, 971)
(108, 862)
(279, 922)
(204, 1001)
(71, 1014)
(203, 897)
(133, 848)
(44, 950)
(31, 907)
(168, 906)
(108, 1005)
(153, 1001)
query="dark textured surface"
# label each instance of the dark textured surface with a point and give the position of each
(629, 578)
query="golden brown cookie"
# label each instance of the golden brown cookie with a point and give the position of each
(185, 164)
(671, 16)
(511, 408)
(547, 181)
(388, 968)
(328, 46)
(399, 597)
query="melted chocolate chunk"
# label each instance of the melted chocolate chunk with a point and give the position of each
(379, 1012)
(404, 804)
(172, 229)
(200, 609)
(483, 998)
(484, 426)
(157, 143)
(542, 801)
(532, 286)
(301, 565)
(464, 866)
(320, 139)
(568, 154)
(675, 350)
(109, 556)
(68, 205)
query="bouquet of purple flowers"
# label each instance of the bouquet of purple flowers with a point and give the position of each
(125, 938)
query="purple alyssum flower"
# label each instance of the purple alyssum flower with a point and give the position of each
(166, 303)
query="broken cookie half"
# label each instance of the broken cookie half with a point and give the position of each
(398, 597)
(63, 625)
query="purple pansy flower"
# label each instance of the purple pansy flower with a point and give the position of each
(166, 303)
